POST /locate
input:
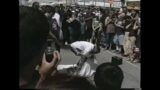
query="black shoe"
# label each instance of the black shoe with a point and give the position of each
(117, 52)
(124, 55)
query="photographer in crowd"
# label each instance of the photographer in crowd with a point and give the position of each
(34, 29)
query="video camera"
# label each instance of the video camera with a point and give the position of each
(116, 60)
(49, 50)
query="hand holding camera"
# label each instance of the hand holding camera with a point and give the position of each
(47, 68)
(49, 50)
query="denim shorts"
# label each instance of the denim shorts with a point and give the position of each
(118, 39)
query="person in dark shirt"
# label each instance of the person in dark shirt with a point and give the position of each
(110, 32)
(119, 36)
(83, 28)
(132, 40)
(88, 20)
(128, 26)
(74, 28)
(65, 30)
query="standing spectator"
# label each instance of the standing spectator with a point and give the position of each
(103, 16)
(138, 33)
(35, 5)
(56, 16)
(88, 33)
(61, 12)
(53, 24)
(96, 34)
(74, 28)
(48, 13)
(110, 32)
(132, 40)
(83, 28)
(138, 47)
(128, 27)
(65, 28)
(119, 35)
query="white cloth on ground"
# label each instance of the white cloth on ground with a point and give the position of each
(88, 68)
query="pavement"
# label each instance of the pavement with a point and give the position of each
(132, 72)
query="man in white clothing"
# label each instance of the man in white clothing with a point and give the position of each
(85, 66)
(83, 48)
(57, 17)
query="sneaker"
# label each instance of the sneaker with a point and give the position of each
(136, 61)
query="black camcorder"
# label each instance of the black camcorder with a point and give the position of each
(49, 50)
(116, 60)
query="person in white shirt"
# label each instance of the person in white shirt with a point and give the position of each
(82, 48)
(57, 17)
(87, 63)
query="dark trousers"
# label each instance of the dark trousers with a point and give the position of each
(56, 33)
(109, 39)
(88, 34)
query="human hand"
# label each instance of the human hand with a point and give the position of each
(48, 67)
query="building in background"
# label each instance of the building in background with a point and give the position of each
(102, 3)
(133, 4)
(23, 2)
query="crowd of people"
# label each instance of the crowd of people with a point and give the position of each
(111, 29)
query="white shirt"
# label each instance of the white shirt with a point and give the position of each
(57, 17)
(106, 20)
(84, 46)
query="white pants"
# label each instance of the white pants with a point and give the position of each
(88, 68)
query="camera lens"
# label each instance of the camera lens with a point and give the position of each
(49, 57)
(49, 51)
